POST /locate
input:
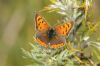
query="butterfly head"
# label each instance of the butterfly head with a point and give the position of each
(51, 33)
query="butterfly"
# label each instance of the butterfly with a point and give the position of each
(53, 37)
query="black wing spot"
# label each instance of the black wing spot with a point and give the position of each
(68, 25)
(63, 32)
(39, 24)
(66, 30)
(39, 19)
(64, 26)
(42, 22)
(40, 27)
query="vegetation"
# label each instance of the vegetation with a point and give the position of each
(17, 43)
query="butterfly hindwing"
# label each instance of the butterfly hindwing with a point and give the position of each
(64, 29)
(57, 42)
(42, 39)
(41, 24)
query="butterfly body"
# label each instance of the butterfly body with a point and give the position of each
(51, 33)
(53, 37)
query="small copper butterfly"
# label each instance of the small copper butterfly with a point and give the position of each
(53, 37)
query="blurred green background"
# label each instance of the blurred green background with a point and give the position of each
(17, 28)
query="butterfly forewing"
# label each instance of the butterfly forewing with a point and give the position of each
(64, 28)
(41, 24)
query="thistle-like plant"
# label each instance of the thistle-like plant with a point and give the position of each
(75, 52)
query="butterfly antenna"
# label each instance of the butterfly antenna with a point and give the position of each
(45, 9)
(36, 12)
(42, 10)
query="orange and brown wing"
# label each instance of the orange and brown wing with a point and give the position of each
(41, 24)
(41, 42)
(64, 29)
(42, 39)
(58, 42)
